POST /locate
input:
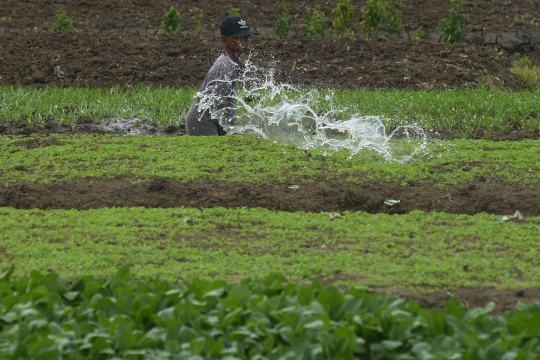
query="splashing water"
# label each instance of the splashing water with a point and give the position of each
(285, 114)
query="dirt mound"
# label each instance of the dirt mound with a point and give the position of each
(105, 60)
(505, 299)
(338, 195)
(485, 15)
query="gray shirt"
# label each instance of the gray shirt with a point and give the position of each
(215, 101)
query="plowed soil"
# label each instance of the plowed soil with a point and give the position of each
(118, 45)
(485, 15)
(105, 60)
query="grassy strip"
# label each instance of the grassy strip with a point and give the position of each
(162, 106)
(248, 158)
(264, 319)
(464, 113)
(416, 250)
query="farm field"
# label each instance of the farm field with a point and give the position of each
(120, 237)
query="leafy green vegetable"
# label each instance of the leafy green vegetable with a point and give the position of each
(413, 251)
(256, 319)
(248, 158)
(464, 114)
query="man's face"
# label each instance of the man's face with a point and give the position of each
(240, 45)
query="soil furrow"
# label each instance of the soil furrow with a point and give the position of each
(335, 195)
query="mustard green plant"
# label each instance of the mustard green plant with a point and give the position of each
(414, 250)
(452, 28)
(197, 19)
(48, 317)
(343, 19)
(253, 159)
(62, 22)
(381, 16)
(233, 11)
(418, 34)
(283, 19)
(316, 23)
(171, 24)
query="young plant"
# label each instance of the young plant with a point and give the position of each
(261, 32)
(380, 15)
(197, 19)
(315, 25)
(234, 11)
(453, 24)
(341, 25)
(171, 24)
(527, 72)
(283, 19)
(418, 34)
(62, 22)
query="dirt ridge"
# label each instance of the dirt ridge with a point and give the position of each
(106, 60)
(335, 195)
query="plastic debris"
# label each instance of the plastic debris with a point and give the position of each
(517, 216)
(334, 215)
(294, 187)
(392, 202)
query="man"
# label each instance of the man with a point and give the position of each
(216, 100)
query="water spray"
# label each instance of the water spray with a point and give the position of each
(285, 114)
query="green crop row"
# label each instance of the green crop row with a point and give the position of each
(263, 319)
(162, 106)
(464, 114)
(249, 158)
(413, 251)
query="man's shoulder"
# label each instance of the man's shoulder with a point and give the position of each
(223, 60)
(223, 65)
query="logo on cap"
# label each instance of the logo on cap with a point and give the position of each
(243, 23)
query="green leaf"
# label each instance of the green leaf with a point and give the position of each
(238, 296)
(124, 337)
(42, 348)
(330, 298)
(7, 274)
(197, 346)
(70, 295)
(123, 273)
(391, 344)
(305, 295)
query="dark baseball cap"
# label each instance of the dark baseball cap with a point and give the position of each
(235, 26)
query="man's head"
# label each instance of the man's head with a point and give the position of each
(235, 33)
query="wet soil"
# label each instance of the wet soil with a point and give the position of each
(106, 60)
(125, 127)
(335, 195)
(485, 15)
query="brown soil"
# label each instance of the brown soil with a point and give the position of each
(485, 15)
(106, 60)
(337, 195)
(505, 300)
